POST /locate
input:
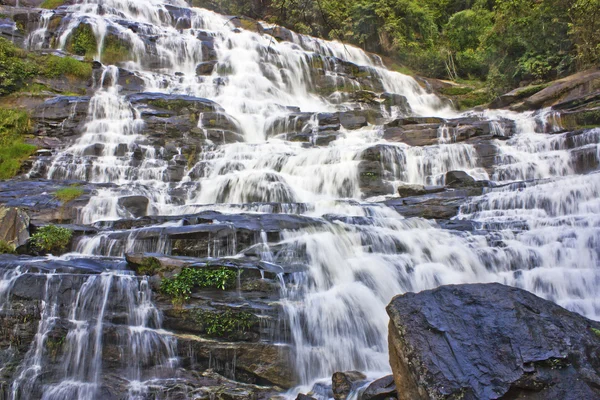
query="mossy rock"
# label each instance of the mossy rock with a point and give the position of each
(586, 118)
(82, 41)
(115, 50)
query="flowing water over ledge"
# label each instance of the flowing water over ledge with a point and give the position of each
(538, 228)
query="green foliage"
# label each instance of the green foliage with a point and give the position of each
(596, 331)
(13, 125)
(15, 68)
(115, 51)
(180, 286)
(6, 248)
(52, 4)
(83, 41)
(68, 194)
(149, 266)
(51, 238)
(18, 68)
(225, 323)
(54, 67)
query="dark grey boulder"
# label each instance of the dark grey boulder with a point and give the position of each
(490, 341)
(381, 389)
(136, 205)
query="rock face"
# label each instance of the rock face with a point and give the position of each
(490, 341)
(14, 226)
(344, 382)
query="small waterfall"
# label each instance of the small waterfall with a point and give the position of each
(78, 332)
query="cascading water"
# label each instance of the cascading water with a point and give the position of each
(542, 234)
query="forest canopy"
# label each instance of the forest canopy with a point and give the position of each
(508, 43)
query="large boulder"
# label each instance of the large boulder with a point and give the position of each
(490, 341)
(381, 389)
(14, 226)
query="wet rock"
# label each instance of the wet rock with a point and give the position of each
(255, 363)
(304, 397)
(137, 206)
(62, 116)
(459, 178)
(14, 226)
(416, 190)
(352, 120)
(490, 341)
(206, 68)
(442, 205)
(344, 382)
(381, 389)
(396, 100)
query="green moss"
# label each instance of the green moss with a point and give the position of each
(473, 99)
(15, 67)
(149, 266)
(68, 194)
(13, 125)
(6, 248)
(180, 286)
(51, 238)
(83, 41)
(52, 4)
(172, 105)
(223, 324)
(54, 67)
(596, 331)
(531, 90)
(115, 51)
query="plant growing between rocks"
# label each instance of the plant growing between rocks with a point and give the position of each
(180, 286)
(68, 194)
(51, 238)
(6, 248)
(225, 323)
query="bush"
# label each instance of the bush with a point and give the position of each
(225, 323)
(6, 248)
(15, 68)
(51, 238)
(54, 67)
(68, 194)
(13, 125)
(180, 286)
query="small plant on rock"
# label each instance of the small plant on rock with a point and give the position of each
(226, 323)
(6, 248)
(180, 286)
(51, 238)
(68, 194)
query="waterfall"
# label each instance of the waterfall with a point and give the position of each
(537, 223)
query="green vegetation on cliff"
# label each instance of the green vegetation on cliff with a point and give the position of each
(180, 286)
(14, 124)
(507, 43)
(51, 238)
(19, 68)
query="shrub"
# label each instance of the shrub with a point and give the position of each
(13, 125)
(225, 323)
(15, 68)
(54, 67)
(180, 286)
(68, 194)
(51, 238)
(6, 248)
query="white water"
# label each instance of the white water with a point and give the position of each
(546, 233)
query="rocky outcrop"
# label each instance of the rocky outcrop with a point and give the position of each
(381, 389)
(345, 382)
(489, 341)
(14, 226)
